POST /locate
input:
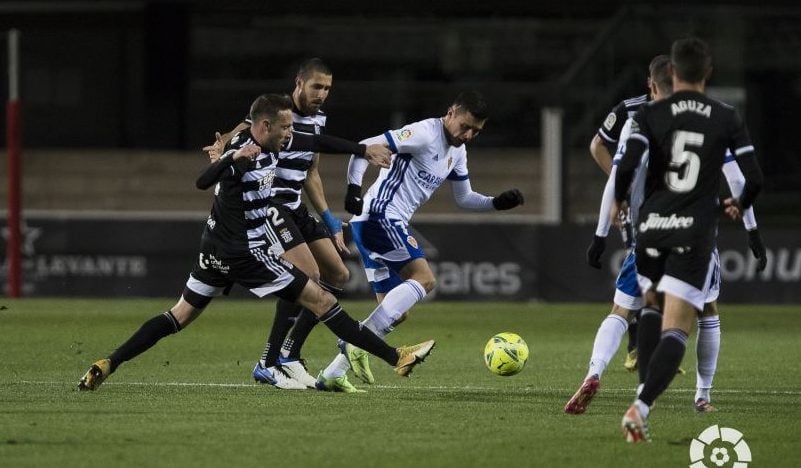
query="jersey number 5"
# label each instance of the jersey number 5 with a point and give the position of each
(684, 164)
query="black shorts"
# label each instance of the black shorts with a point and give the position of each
(257, 270)
(287, 228)
(680, 271)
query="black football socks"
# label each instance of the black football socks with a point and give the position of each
(664, 363)
(352, 332)
(148, 334)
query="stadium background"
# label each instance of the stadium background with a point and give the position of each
(118, 97)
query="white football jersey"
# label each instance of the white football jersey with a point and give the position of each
(422, 161)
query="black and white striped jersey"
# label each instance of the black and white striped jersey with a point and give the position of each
(243, 188)
(293, 166)
(613, 124)
(241, 199)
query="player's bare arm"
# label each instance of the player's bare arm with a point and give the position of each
(601, 154)
(316, 195)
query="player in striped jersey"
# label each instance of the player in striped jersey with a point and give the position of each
(235, 249)
(426, 154)
(605, 142)
(603, 145)
(628, 298)
(299, 237)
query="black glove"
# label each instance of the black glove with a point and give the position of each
(758, 249)
(353, 199)
(508, 200)
(595, 251)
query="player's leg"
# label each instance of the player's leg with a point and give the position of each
(676, 324)
(400, 255)
(649, 332)
(333, 276)
(265, 274)
(325, 306)
(287, 241)
(682, 284)
(630, 363)
(196, 296)
(707, 350)
(707, 346)
(609, 335)
(399, 275)
(418, 281)
(287, 311)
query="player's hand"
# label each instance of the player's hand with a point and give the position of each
(353, 199)
(758, 249)
(215, 149)
(618, 212)
(732, 208)
(378, 155)
(339, 243)
(508, 200)
(248, 151)
(595, 251)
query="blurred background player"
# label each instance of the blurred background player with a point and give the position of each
(603, 145)
(426, 154)
(303, 240)
(627, 300)
(687, 135)
(628, 297)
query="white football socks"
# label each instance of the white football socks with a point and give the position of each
(394, 306)
(607, 341)
(707, 349)
(381, 321)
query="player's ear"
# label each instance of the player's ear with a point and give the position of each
(299, 82)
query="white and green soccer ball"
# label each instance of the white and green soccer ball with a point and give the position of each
(506, 354)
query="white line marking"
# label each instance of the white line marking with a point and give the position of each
(750, 391)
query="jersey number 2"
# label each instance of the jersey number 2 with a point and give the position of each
(275, 216)
(684, 164)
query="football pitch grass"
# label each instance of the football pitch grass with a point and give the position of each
(191, 401)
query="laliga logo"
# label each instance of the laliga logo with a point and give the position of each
(727, 445)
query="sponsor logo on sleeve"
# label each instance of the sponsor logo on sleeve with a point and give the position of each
(403, 134)
(610, 121)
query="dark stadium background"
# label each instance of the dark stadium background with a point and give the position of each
(118, 97)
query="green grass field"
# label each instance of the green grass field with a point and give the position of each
(190, 401)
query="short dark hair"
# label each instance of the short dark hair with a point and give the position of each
(659, 71)
(691, 59)
(473, 102)
(267, 106)
(312, 65)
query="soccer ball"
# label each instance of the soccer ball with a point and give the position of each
(505, 354)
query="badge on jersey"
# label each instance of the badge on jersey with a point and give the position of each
(610, 121)
(412, 241)
(403, 134)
